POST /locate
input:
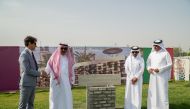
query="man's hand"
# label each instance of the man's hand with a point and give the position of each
(156, 70)
(134, 80)
(58, 82)
(151, 70)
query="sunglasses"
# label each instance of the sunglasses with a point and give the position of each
(34, 43)
(64, 48)
(135, 52)
(156, 46)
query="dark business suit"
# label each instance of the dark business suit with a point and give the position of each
(29, 74)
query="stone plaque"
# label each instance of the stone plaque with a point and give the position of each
(99, 79)
(101, 97)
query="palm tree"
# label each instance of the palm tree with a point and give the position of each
(84, 56)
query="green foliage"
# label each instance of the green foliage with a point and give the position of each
(184, 54)
(179, 97)
(177, 52)
(188, 53)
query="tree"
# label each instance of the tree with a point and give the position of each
(177, 52)
(188, 54)
(84, 56)
(184, 53)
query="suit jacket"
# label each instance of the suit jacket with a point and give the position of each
(29, 73)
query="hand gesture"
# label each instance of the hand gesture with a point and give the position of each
(134, 80)
(156, 70)
(151, 70)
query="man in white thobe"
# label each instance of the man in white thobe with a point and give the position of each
(159, 65)
(60, 69)
(134, 68)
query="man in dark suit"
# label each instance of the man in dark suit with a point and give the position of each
(29, 74)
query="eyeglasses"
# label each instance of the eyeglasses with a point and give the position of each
(135, 52)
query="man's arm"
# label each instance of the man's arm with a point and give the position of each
(148, 63)
(168, 65)
(141, 71)
(25, 65)
(127, 71)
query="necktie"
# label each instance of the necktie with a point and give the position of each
(36, 65)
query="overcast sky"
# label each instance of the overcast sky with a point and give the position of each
(96, 22)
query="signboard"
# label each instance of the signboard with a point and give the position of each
(99, 79)
(182, 68)
(9, 68)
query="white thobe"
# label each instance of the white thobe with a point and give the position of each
(133, 93)
(60, 96)
(158, 84)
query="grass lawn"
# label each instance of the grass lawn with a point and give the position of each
(179, 97)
